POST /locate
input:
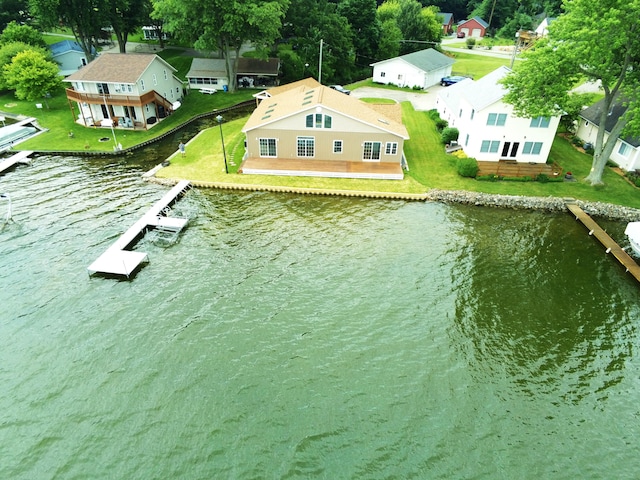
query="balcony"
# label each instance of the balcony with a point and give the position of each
(110, 99)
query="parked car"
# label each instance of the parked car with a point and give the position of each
(341, 89)
(460, 35)
(446, 81)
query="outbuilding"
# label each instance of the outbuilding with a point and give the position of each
(418, 69)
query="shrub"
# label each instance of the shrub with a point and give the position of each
(459, 154)
(417, 87)
(467, 167)
(441, 124)
(433, 114)
(450, 134)
(542, 178)
(471, 43)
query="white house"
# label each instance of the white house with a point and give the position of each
(69, 56)
(422, 69)
(542, 30)
(489, 129)
(626, 151)
(126, 90)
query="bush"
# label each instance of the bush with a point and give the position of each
(441, 124)
(450, 134)
(471, 43)
(417, 87)
(542, 178)
(467, 167)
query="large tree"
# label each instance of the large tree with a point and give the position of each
(421, 27)
(596, 40)
(223, 25)
(85, 18)
(32, 76)
(125, 16)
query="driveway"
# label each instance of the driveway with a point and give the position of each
(419, 100)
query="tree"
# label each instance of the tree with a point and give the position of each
(22, 33)
(125, 16)
(32, 76)
(390, 39)
(593, 40)
(13, 10)
(361, 15)
(10, 50)
(420, 26)
(223, 25)
(85, 18)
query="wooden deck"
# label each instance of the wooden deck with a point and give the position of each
(511, 168)
(611, 246)
(322, 168)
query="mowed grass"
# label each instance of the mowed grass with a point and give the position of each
(429, 167)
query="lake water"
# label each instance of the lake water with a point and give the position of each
(295, 337)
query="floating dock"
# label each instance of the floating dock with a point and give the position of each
(118, 259)
(20, 157)
(603, 237)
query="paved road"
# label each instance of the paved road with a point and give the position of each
(420, 101)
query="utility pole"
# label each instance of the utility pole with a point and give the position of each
(320, 63)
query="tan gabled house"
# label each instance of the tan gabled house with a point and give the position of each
(307, 129)
(132, 90)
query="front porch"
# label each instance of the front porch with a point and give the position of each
(321, 168)
(98, 110)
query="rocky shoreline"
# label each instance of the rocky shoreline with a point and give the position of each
(548, 204)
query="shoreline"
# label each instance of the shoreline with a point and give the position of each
(461, 197)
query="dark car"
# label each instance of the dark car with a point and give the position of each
(460, 35)
(446, 81)
(341, 89)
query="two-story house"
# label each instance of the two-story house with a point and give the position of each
(307, 129)
(132, 90)
(489, 129)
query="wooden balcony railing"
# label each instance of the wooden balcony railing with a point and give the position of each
(122, 100)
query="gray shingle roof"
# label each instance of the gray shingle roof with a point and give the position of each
(426, 60)
(592, 114)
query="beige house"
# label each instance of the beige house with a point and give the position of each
(307, 129)
(132, 90)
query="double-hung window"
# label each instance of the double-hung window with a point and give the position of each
(540, 122)
(497, 119)
(490, 146)
(391, 148)
(532, 148)
(337, 146)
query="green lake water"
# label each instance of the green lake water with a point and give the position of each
(297, 337)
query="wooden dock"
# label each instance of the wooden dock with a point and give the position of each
(20, 157)
(118, 259)
(603, 237)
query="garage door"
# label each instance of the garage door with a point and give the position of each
(465, 31)
(476, 32)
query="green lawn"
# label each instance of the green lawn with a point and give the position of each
(476, 66)
(60, 121)
(430, 167)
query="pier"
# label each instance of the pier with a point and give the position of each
(118, 259)
(603, 237)
(20, 157)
